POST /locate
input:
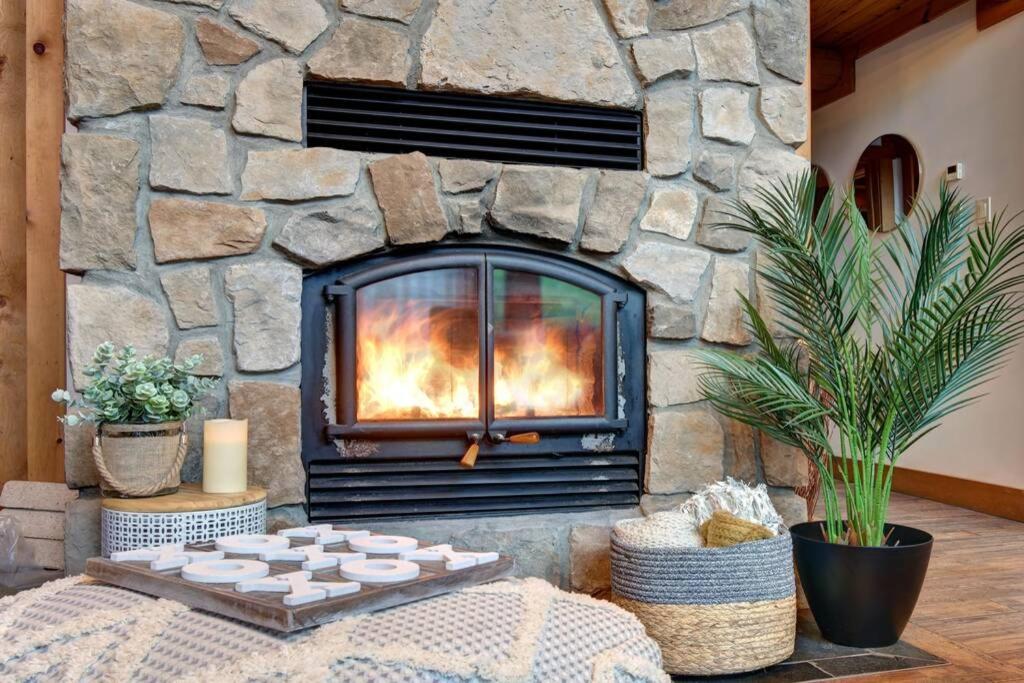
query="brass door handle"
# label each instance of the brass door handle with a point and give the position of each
(525, 437)
(469, 458)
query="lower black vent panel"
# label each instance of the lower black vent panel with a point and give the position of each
(380, 489)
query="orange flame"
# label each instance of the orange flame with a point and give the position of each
(415, 362)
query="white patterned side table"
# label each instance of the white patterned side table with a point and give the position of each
(188, 516)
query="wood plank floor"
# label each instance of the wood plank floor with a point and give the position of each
(971, 610)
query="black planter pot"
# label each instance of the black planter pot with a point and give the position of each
(862, 596)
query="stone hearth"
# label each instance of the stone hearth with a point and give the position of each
(191, 208)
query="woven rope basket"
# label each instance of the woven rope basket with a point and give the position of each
(139, 460)
(713, 610)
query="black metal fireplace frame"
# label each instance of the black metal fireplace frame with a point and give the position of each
(363, 478)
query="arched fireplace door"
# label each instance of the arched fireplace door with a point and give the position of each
(477, 380)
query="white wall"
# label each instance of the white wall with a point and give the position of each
(957, 95)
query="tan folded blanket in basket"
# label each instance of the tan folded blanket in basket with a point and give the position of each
(725, 529)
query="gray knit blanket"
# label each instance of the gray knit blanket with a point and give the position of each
(517, 630)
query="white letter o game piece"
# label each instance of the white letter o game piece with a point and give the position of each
(252, 544)
(379, 571)
(225, 571)
(383, 545)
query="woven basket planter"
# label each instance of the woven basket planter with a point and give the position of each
(139, 460)
(713, 610)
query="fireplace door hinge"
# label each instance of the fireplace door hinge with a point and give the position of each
(620, 298)
(332, 291)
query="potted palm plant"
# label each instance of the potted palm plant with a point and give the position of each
(877, 340)
(140, 406)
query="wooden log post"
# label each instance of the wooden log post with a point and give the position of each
(13, 318)
(31, 283)
(44, 292)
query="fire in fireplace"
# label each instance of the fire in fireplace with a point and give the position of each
(470, 380)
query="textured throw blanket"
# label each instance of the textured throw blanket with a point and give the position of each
(518, 630)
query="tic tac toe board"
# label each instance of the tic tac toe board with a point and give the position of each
(268, 610)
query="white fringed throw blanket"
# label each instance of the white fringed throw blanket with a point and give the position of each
(518, 630)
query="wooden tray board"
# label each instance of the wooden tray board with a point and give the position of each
(268, 609)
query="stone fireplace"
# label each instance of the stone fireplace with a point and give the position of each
(201, 215)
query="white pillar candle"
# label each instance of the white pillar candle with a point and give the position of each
(225, 443)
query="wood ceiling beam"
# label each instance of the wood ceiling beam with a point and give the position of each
(991, 12)
(843, 31)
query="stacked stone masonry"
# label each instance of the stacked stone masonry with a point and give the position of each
(191, 207)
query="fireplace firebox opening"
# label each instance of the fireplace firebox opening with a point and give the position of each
(463, 381)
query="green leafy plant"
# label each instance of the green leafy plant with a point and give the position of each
(126, 389)
(877, 338)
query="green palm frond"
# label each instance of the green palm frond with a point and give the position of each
(888, 335)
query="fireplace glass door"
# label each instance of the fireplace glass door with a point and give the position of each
(548, 354)
(475, 345)
(418, 346)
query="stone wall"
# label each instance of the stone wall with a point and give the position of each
(191, 208)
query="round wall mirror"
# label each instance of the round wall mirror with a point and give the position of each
(886, 181)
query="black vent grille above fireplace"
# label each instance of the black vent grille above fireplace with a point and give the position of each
(391, 120)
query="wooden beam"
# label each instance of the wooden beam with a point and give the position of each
(991, 12)
(869, 38)
(44, 125)
(13, 463)
(833, 75)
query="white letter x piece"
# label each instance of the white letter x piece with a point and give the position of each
(299, 588)
(171, 556)
(325, 534)
(311, 556)
(452, 560)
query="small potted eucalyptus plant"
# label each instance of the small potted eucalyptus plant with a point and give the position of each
(139, 406)
(876, 340)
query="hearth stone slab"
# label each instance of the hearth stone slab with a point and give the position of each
(541, 544)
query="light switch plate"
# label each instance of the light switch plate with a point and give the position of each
(983, 210)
